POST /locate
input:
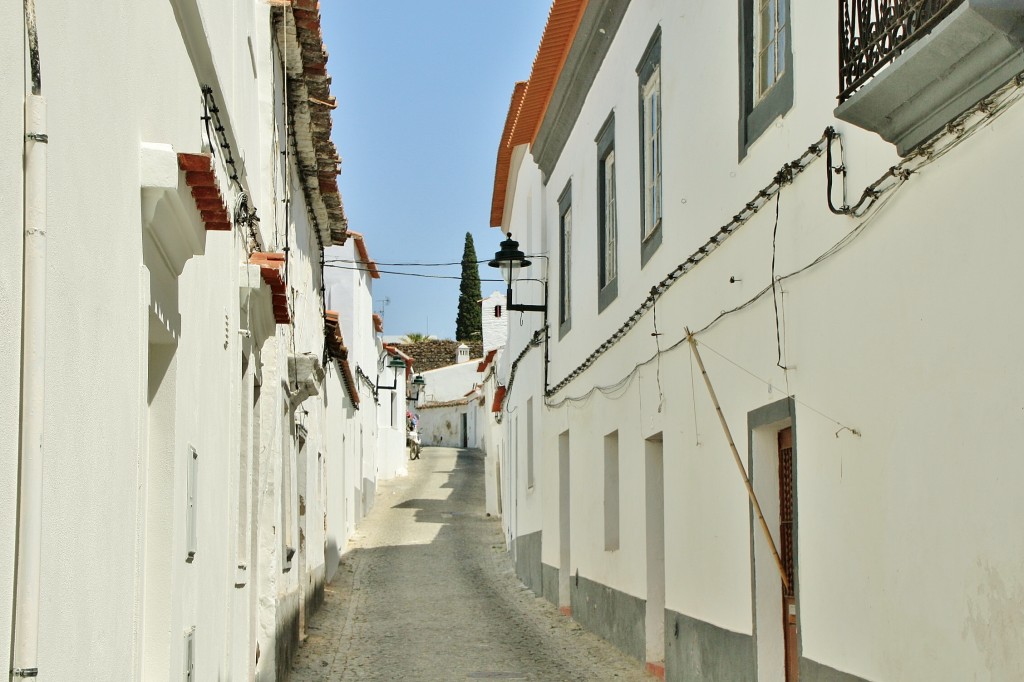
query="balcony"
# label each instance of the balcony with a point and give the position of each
(909, 67)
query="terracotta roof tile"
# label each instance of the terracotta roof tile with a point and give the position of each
(272, 270)
(364, 255)
(202, 180)
(499, 398)
(350, 383)
(332, 332)
(299, 31)
(487, 360)
(527, 110)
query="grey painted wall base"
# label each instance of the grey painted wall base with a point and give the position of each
(613, 615)
(811, 671)
(526, 549)
(696, 651)
(549, 575)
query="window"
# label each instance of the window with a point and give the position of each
(767, 63)
(649, 73)
(191, 497)
(564, 260)
(497, 311)
(611, 491)
(769, 44)
(607, 250)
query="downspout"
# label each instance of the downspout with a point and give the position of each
(30, 483)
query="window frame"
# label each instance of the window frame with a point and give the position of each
(757, 112)
(607, 287)
(647, 71)
(565, 260)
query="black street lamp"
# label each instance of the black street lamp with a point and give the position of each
(395, 363)
(510, 260)
(418, 385)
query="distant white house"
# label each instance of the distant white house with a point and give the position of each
(453, 411)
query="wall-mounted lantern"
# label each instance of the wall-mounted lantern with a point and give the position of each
(395, 363)
(510, 260)
(417, 387)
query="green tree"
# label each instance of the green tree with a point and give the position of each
(468, 323)
(415, 337)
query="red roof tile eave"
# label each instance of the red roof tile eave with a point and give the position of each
(310, 87)
(364, 254)
(559, 33)
(499, 398)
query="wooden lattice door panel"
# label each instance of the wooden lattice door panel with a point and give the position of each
(786, 507)
(786, 525)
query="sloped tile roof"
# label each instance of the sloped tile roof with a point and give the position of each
(299, 36)
(527, 109)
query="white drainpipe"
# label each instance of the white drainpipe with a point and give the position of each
(30, 492)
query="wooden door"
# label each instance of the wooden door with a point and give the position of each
(789, 606)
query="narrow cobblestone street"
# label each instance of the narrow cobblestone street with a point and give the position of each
(427, 592)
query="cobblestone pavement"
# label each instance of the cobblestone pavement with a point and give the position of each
(426, 592)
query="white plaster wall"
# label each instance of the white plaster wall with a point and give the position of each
(95, 373)
(351, 294)
(12, 130)
(443, 425)
(95, 476)
(907, 335)
(495, 326)
(450, 383)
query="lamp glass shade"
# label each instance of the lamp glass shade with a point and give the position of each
(509, 259)
(419, 381)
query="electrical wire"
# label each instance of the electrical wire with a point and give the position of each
(874, 199)
(329, 264)
(874, 196)
(775, 292)
(407, 265)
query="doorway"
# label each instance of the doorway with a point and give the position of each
(654, 479)
(771, 466)
(789, 631)
(564, 525)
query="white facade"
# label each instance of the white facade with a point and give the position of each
(891, 357)
(455, 408)
(197, 477)
(449, 413)
(494, 320)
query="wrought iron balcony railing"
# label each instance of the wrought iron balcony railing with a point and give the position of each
(872, 33)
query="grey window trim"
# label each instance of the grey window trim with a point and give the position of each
(754, 118)
(605, 145)
(564, 265)
(644, 70)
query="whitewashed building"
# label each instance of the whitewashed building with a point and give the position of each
(180, 459)
(824, 194)
(455, 407)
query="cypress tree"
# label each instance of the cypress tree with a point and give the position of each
(468, 323)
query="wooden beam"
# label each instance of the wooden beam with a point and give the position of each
(739, 463)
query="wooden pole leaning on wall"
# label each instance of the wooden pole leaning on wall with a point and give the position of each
(736, 455)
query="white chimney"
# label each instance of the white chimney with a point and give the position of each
(462, 353)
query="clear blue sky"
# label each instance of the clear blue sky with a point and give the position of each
(423, 89)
